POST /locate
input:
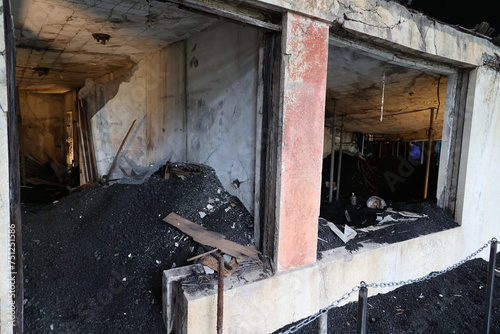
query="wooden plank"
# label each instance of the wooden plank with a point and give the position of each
(210, 238)
(202, 255)
(212, 9)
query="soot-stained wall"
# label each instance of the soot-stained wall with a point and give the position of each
(43, 126)
(196, 101)
(222, 79)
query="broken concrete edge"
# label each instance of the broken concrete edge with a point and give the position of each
(176, 295)
(170, 277)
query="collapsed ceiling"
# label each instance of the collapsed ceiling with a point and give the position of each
(58, 49)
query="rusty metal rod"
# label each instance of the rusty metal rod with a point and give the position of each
(332, 153)
(339, 167)
(489, 288)
(429, 150)
(220, 294)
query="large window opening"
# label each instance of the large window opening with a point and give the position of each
(384, 166)
(111, 92)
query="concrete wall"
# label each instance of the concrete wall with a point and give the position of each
(196, 101)
(43, 126)
(222, 80)
(294, 294)
(5, 271)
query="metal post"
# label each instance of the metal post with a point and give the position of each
(220, 295)
(363, 145)
(429, 150)
(332, 154)
(323, 323)
(362, 309)
(489, 287)
(339, 167)
(397, 149)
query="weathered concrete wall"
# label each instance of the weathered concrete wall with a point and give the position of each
(5, 271)
(292, 295)
(304, 64)
(222, 104)
(391, 23)
(478, 190)
(43, 126)
(153, 96)
(207, 117)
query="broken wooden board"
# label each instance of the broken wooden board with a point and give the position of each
(213, 263)
(209, 238)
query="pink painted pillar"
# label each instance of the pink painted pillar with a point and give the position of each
(304, 68)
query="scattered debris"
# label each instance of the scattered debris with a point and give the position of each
(345, 236)
(376, 202)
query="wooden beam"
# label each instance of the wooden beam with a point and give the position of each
(209, 238)
(227, 12)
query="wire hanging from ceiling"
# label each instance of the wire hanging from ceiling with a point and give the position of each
(383, 96)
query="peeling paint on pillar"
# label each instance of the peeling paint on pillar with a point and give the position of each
(304, 69)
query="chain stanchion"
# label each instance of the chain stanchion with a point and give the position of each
(362, 309)
(489, 287)
(357, 288)
(323, 323)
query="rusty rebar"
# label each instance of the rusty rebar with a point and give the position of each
(220, 294)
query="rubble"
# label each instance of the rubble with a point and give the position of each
(79, 251)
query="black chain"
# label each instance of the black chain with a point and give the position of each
(347, 295)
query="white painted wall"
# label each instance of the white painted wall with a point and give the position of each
(196, 101)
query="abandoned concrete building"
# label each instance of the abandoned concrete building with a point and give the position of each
(278, 97)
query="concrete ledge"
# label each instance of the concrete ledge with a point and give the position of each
(254, 303)
(173, 312)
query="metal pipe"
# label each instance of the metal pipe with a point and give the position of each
(489, 287)
(339, 166)
(428, 165)
(362, 309)
(397, 149)
(332, 154)
(323, 323)
(220, 295)
(363, 145)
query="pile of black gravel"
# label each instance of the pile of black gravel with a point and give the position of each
(94, 260)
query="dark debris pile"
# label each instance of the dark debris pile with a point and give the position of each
(93, 261)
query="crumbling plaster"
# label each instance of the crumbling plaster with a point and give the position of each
(388, 22)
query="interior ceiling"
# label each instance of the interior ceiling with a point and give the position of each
(57, 52)
(357, 82)
(57, 35)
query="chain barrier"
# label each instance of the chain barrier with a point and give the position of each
(347, 295)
